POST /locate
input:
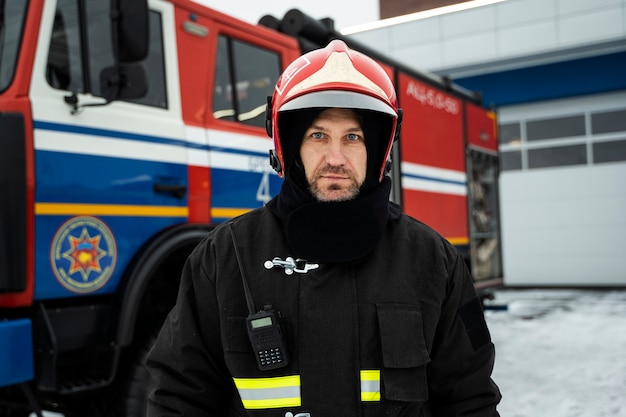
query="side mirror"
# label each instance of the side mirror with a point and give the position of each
(126, 81)
(131, 31)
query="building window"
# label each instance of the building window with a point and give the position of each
(557, 156)
(510, 160)
(608, 122)
(594, 136)
(562, 127)
(613, 151)
(510, 133)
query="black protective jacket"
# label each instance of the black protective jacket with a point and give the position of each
(399, 333)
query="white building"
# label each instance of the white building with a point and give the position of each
(555, 70)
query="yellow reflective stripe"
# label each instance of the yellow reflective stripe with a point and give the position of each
(221, 212)
(259, 393)
(458, 240)
(370, 385)
(260, 383)
(273, 403)
(70, 209)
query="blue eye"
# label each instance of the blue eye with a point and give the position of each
(317, 135)
(353, 137)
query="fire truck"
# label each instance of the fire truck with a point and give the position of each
(128, 130)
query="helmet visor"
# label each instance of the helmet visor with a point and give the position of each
(338, 99)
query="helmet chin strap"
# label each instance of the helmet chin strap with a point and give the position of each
(275, 162)
(268, 117)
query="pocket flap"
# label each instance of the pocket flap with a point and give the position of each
(401, 335)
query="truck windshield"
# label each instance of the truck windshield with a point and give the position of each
(12, 14)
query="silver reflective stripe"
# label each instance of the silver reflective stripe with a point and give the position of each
(269, 393)
(261, 393)
(370, 385)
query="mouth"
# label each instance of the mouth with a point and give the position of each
(335, 174)
(335, 177)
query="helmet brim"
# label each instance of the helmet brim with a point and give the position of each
(338, 99)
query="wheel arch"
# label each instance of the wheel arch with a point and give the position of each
(169, 248)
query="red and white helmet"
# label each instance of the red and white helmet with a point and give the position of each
(334, 76)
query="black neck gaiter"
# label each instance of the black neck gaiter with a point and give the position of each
(343, 231)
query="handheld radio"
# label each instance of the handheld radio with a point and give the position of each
(267, 340)
(264, 331)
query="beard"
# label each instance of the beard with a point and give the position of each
(333, 191)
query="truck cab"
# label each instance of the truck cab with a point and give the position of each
(129, 129)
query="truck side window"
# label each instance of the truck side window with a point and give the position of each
(154, 64)
(76, 48)
(65, 65)
(223, 104)
(101, 54)
(248, 71)
(12, 16)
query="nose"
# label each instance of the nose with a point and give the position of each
(335, 155)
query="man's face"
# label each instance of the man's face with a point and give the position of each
(334, 155)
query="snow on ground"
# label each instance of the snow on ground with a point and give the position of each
(560, 353)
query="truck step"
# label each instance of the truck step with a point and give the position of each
(79, 385)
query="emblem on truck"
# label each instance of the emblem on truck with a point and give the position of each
(83, 254)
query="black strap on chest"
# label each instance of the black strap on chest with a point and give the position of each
(264, 331)
(246, 288)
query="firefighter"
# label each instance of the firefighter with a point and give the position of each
(328, 301)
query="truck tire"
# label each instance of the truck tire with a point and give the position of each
(138, 382)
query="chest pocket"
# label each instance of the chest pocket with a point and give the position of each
(404, 352)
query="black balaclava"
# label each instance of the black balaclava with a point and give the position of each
(336, 231)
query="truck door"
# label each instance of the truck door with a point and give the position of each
(107, 176)
(246, 68)
(245, 75)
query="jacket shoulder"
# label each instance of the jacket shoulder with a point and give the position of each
(422, 238)
(247, 227)
(414, 226)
